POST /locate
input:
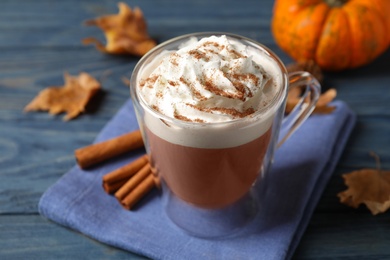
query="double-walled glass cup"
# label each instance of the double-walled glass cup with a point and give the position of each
(209, 171)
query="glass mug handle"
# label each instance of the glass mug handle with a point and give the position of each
(305, 106)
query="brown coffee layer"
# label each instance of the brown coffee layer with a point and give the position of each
(209, 178)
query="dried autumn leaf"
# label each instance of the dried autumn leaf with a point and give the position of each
(309, 66)
(70, 98)
(125, 32)
(126, 81)
(321, 107)
(295, 93)
(367, 186)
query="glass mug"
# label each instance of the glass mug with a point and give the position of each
(210, 171)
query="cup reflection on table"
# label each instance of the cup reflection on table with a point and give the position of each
(209, 169)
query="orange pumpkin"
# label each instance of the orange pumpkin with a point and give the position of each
(336, 34)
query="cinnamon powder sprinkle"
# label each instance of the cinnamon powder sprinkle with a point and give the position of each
(237, 79)
(249, 76)
(229, 111)
(181, 117)
(210, 86)
(198, 120)
(213, 52)
(149, 81)
(184, 118)
(173, 59)
(240, 87)
(156, 108)
(234, 112)
(214, 44)
(172, 83)
(219, 47)
(175, 63)
(242, 77)
(199, 55)
(194, 91)
(236, 53)
(142, 83)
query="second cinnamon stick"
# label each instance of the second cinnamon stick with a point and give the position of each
(133, 182)
(138, 192)
(122, 174)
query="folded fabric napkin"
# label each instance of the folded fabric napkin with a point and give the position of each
(301, 170)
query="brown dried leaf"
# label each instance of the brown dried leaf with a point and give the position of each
(294, 94)
(70, 98)
(125, 32)
(367, 186)
(309, 66)
(321, 106)
(126, 81)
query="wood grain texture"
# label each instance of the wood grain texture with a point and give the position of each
(40, 40)
(42, 239)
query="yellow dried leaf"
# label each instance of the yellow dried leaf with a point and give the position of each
(367, 186)
(125, 32)
(70, 98)
(321, 106)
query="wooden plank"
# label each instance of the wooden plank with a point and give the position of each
(41, 39)
(60, 23)
(32, 237)
(351, 235)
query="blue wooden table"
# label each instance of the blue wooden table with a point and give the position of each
(41, 39)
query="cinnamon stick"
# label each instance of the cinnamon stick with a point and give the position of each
(133, 182)
(96, 153)
(113, 187)
(157, 181)
(138, 192)
(115, 179)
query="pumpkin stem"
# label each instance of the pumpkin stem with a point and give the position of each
(336, 3)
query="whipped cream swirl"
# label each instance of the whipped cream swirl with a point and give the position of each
(211, 80)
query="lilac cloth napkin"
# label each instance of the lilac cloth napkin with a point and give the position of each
(301, 170)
